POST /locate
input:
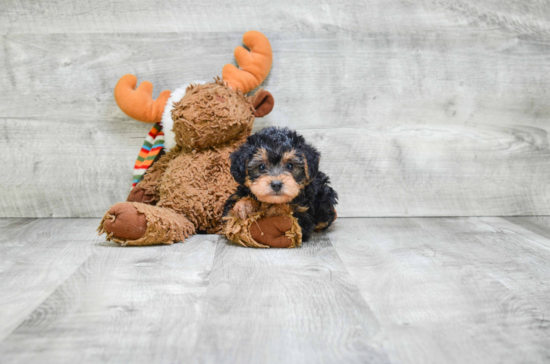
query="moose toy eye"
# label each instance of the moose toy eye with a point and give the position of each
(289, 166)
(262, 167)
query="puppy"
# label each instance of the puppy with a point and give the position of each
(278, 172)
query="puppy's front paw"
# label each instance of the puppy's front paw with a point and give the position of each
(243, 208)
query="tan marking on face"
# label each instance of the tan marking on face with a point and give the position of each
(261, 188)
(260, 156)
(289, 156)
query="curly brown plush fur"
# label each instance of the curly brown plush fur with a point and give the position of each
(189, 185)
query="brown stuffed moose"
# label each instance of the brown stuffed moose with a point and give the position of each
(185, 190)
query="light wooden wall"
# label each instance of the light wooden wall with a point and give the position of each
(420, 108)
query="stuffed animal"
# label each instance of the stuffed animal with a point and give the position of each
(184, 191)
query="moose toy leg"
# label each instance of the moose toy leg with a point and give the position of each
(256, 231)
(276, 232)
(133, 223)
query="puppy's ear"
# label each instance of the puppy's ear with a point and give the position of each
(311, 160)
(239, 162)
(263, 103)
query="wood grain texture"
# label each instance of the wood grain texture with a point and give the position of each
(285, 306)
(376, 290)
(537, 224)
(121, 305)
(36, 256)
(142, 16)
(200, 301)
(419, 108)
(453, 290)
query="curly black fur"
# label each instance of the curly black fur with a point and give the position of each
(316, 195)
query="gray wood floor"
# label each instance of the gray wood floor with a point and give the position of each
(377, 290)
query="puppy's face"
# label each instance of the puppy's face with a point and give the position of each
(276, 177)
(275, 164)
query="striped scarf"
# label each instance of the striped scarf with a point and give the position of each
(152, 146)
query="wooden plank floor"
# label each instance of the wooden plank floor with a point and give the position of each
(377, 290)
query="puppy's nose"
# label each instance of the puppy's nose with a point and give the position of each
(276, 185)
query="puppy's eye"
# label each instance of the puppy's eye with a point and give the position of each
(289, 166)
(261, 167)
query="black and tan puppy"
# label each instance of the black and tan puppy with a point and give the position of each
(278, 171)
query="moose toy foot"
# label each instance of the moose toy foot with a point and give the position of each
(133, 223)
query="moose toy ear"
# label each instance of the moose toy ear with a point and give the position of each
(263, 103)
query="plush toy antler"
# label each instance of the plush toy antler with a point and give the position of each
(138, 103)
(254, 65)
